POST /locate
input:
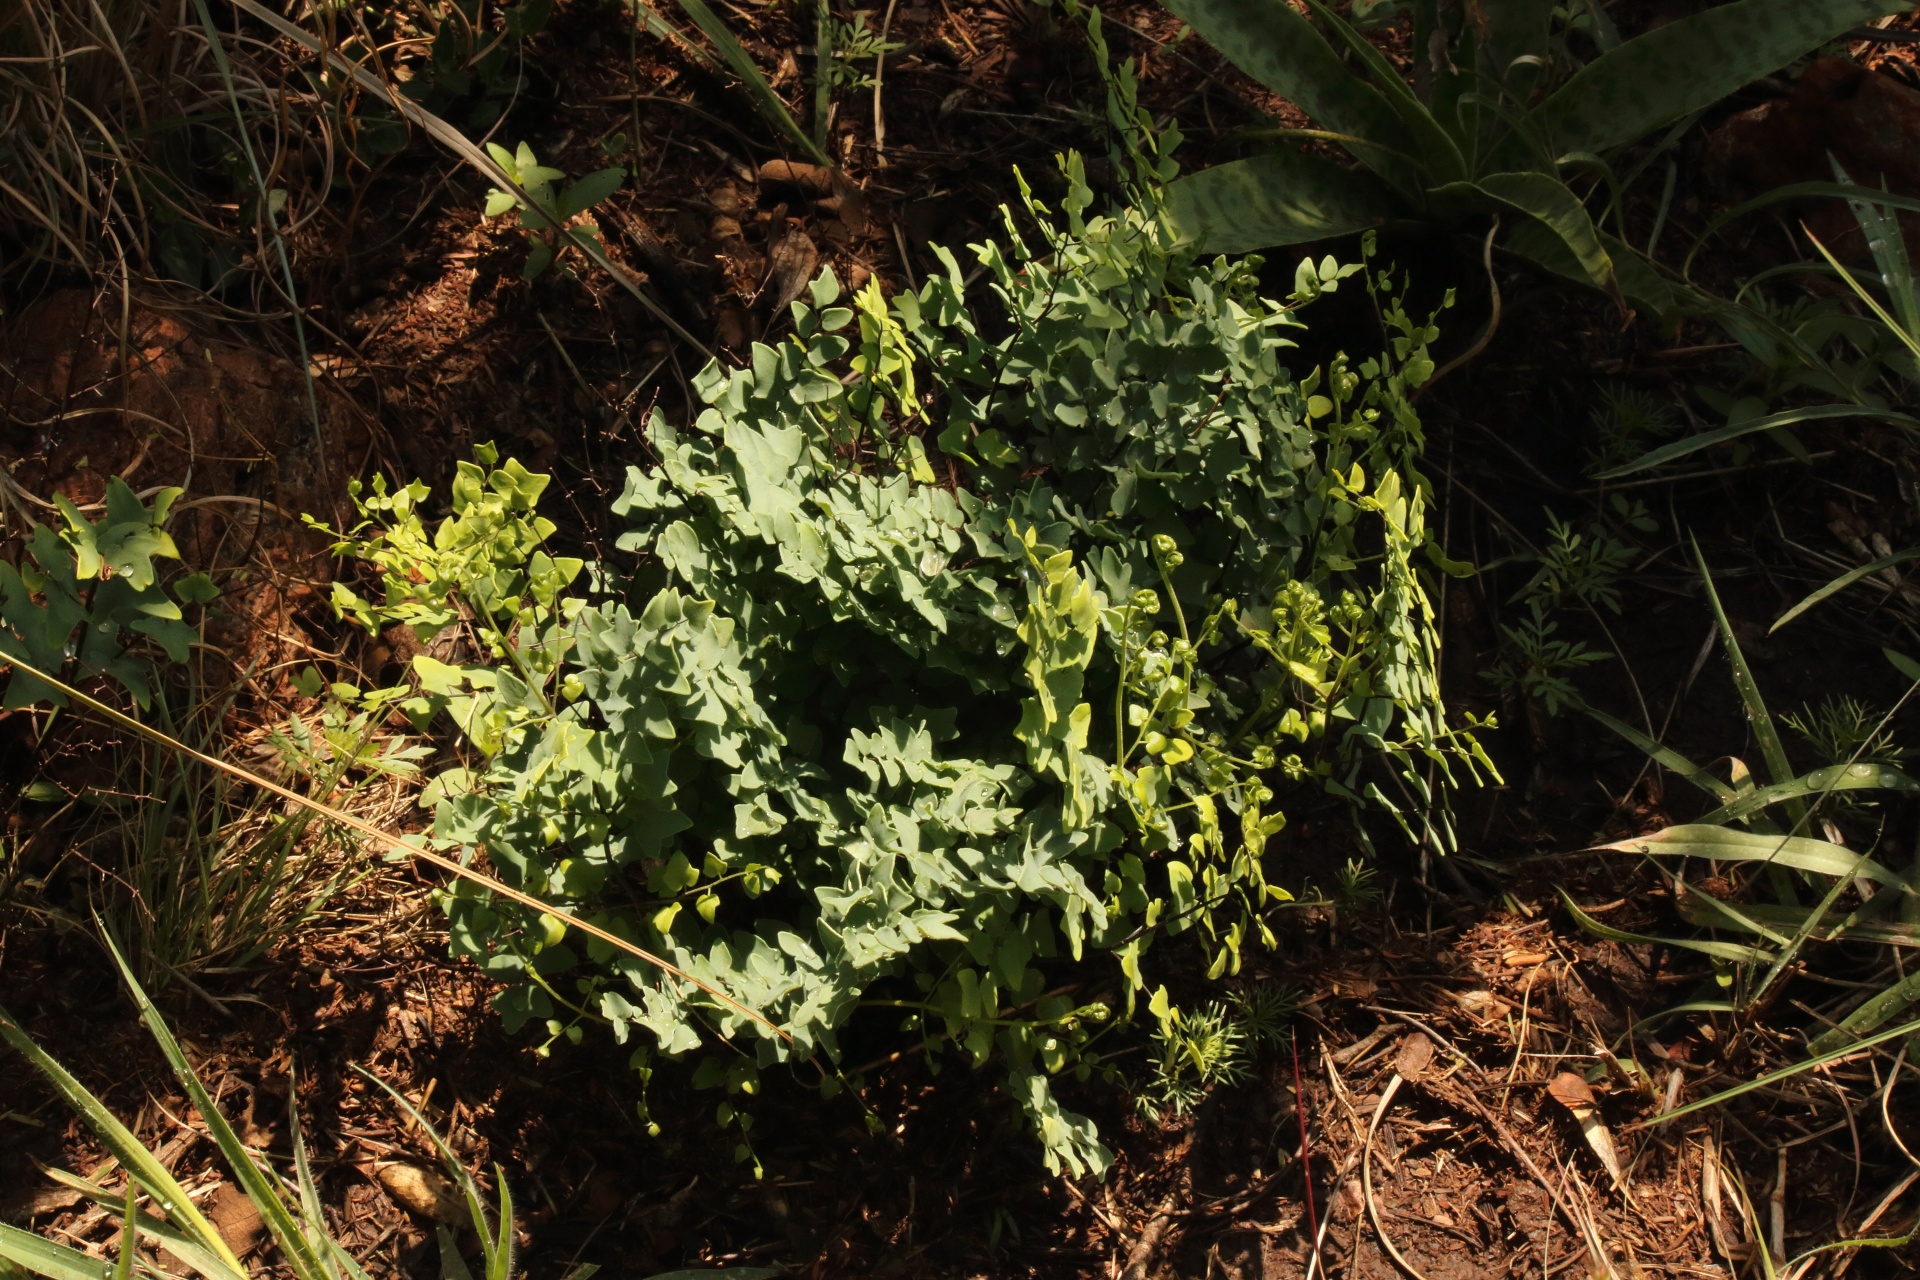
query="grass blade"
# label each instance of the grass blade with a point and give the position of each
(1822, 928)
(1844, 581)
(393, 844)
(1795, 191)
(263, 1190)
(1838, 777)
(498, 1249)
(661, 29)
(129, 1234)
(1738, 953)
(1889, 249)
(1709, 912)
(181, 1245)
(45, 1258)
(1785, 1073)
(1756, 708)
(742, 65)
(1767, 422)
(1907, 337)
(1667, 757)
(1691, 840)
(458, 143)
(141, 1164)
(1873, 1013)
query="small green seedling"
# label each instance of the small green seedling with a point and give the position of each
(548, 219)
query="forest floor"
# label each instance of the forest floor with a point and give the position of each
(1427, 1074)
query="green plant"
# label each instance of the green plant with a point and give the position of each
(839, 49)
(1492, 124)
(1625, 423)
(1843, 729)
(1357, 884)
(865, 740)
(557, 219)
(1196, 1051)
(157, 1212)
(202, 873)
(89, 592)
(1542, 664)
(1755, 841)
(1582, 568)
(850, 44)
(467, 51)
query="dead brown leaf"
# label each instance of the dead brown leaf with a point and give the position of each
(1571, 1091)
(236, 1218)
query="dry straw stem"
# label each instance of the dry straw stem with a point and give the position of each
(395, 844)
(97, 98)
(458, 143)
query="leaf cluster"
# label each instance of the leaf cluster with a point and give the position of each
(854, 736)
(88, 591)
(1500, 119)
(556, 217)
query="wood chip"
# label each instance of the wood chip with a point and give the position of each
(33, 1201)
(790, 268)
(1571, 1091)
(1483, 1005)
(809, 179)
(1416, 1051)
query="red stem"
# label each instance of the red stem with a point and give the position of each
(1306, 1169)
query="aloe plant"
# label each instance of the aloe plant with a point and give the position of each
(1477, 134)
